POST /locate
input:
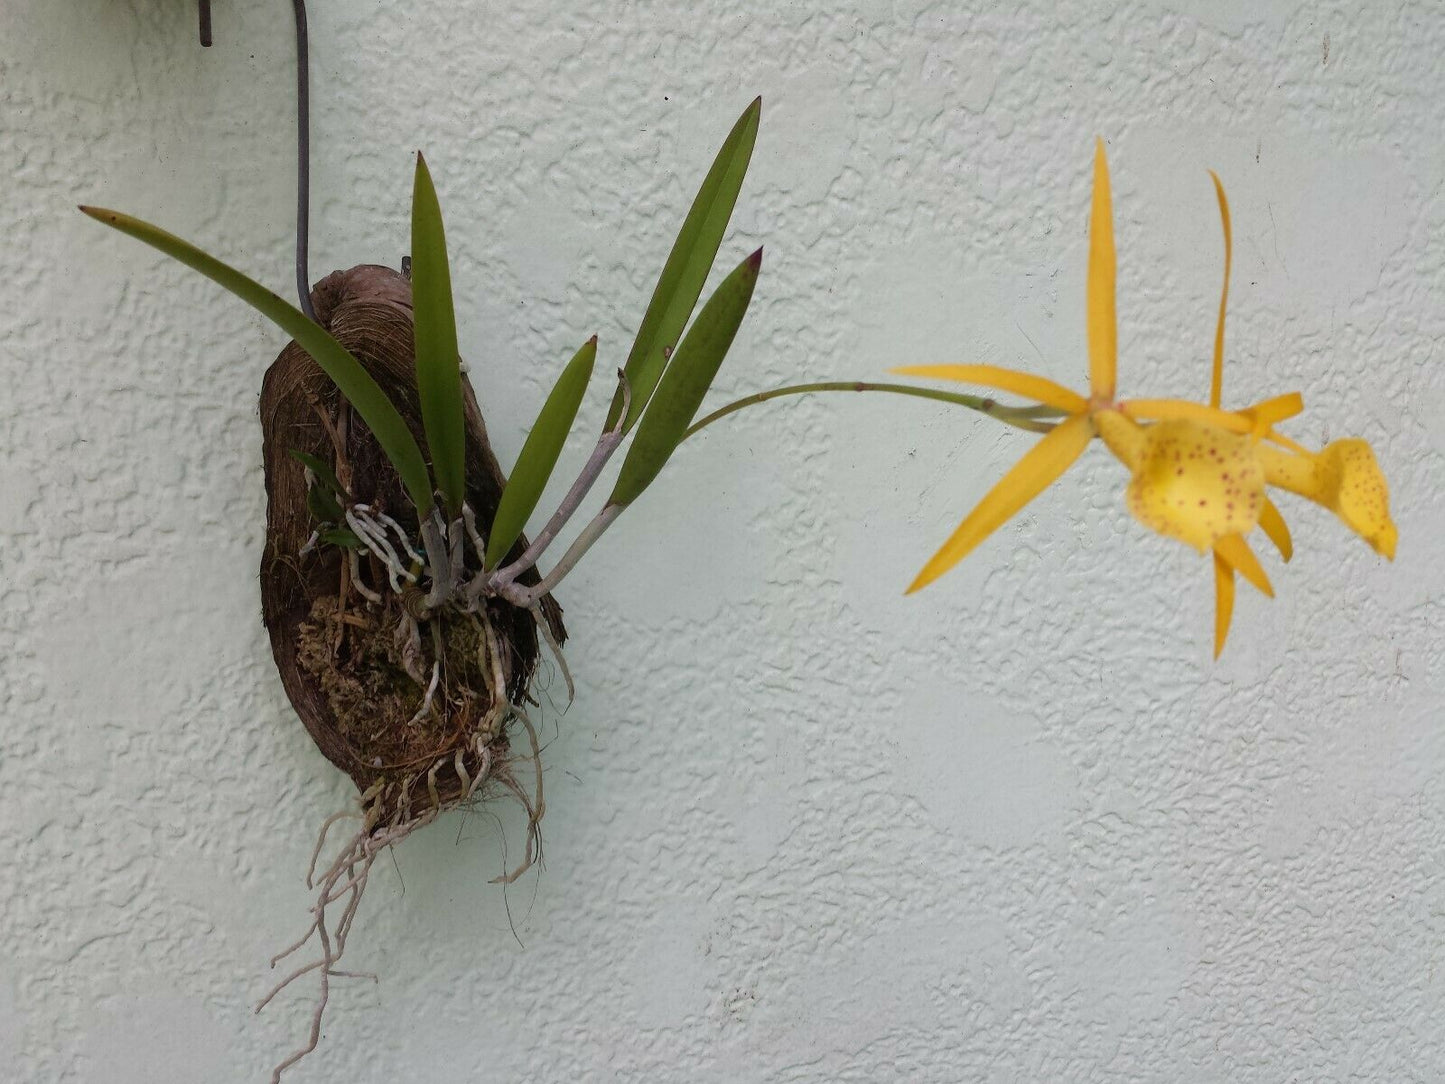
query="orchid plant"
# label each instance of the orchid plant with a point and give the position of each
(1198, 472)
(666, 376)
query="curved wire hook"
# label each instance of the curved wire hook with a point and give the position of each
(303, 147)
(303, 159)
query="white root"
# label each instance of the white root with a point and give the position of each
(470, 519)
(346, 878)
(320, 843)
(382, 517)
(350, 870)
(535, 807)
(484, 752)
(431, 691)
(361, 588)
(461, 771)
(374, 536)
(489, 652)
(407, 638)
(546, 630)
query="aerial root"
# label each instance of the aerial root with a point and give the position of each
(535, 806)
(344, 881)
(431, 692)
(407, 638)
(546, 630)
(346, 878)
(361, 588)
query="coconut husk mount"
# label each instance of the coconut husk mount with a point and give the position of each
(416, 706)
(341, 655)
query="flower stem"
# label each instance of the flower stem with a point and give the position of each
(1036, 419)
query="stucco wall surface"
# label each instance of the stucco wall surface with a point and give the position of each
(799, 828)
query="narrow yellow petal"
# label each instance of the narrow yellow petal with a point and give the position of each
(1280, 408)
(1099, 295)
(1028, 385)
(1030, 476)
(1216, 384)
(1273, 525)
(1184, 410)
(1223, 602)
(1235, 552)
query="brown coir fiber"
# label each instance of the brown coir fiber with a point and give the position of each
(355, 667)
(313, 610)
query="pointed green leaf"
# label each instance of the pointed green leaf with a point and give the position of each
(539, 453)
(321, 470)
(342, 537)
(688, 264)
(438, 365)
(364, 394)
(323, 505)
(686, 381)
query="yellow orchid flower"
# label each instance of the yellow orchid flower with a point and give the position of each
(1198, 473)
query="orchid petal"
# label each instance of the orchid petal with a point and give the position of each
(1184, 410)
(1028, 385)
(1030, 476)
(1345, 478)
(1103, 331)
(1269, 411)
(1235, 552)
(1273, 525)
(1216, 384)
(1223, 602)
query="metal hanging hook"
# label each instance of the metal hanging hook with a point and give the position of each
(303, 146)
(303, 159)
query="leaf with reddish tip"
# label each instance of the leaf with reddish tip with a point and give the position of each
(686, 381)
(687, 266)
(539, 454)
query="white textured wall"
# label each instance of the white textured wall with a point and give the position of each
(1018, 828)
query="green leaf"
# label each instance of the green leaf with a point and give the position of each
(323, 505)
(686, 381)
(356, 384)
(321, 470)
(687, 267)
(342, 537)
(438, 365)
(539, 453)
